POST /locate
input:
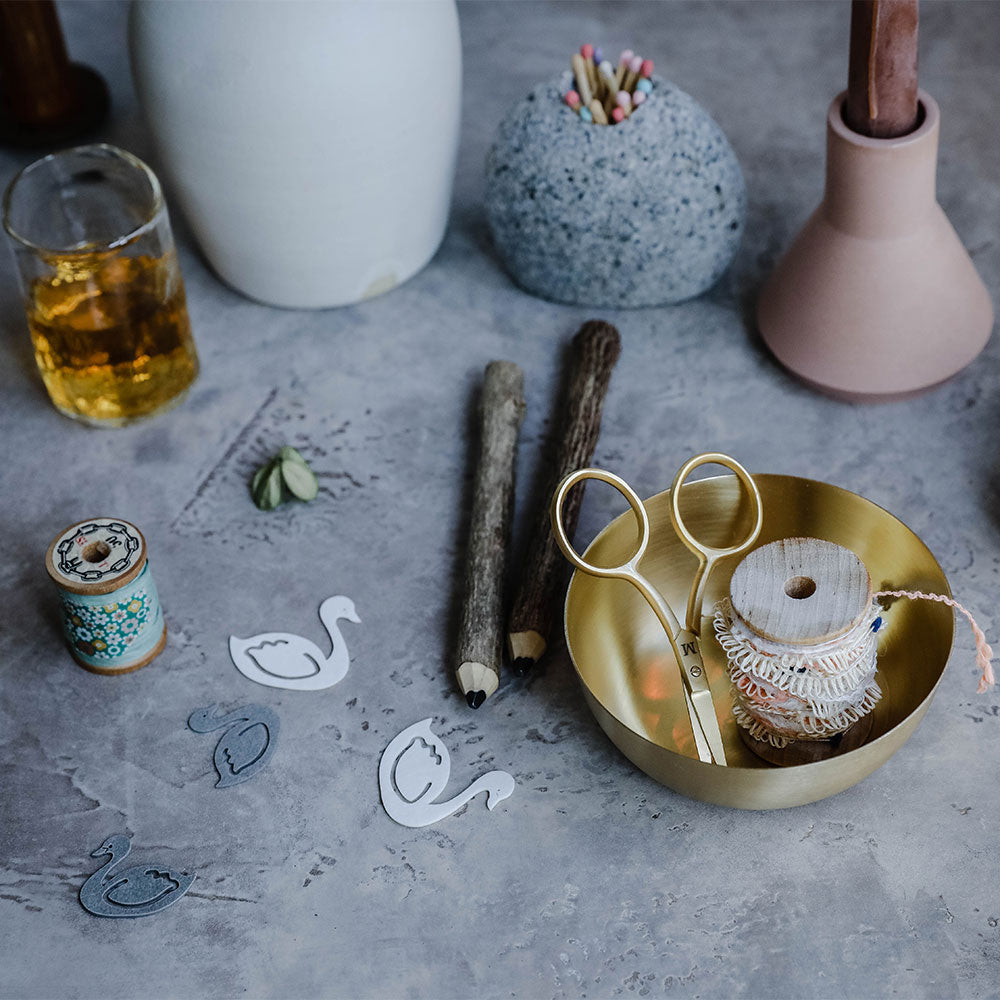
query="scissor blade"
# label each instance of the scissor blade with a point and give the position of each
(704, 752)
(705, 710)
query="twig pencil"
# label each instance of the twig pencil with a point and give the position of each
(480, 637)
(595, 350)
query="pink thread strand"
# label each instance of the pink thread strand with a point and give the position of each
(984, 652)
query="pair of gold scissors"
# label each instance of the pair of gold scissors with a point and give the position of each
(683, 641)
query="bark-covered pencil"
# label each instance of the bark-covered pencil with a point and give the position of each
(480, 638)
(595, 350)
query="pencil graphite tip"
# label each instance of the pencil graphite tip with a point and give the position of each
(522, 665)
(475, 698)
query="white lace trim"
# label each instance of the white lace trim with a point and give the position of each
(784, 692)
(829, 670)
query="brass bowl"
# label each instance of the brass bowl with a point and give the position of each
(632, 682)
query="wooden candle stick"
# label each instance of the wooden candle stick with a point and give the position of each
(595, 350)
(45, 99)
(481, 632)
(882, 72)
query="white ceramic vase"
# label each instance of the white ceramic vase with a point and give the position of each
(311, 145)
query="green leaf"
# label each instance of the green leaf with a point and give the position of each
(271, 490)
(290, 453)
(299, 478)
(274, 488)
(259, 475)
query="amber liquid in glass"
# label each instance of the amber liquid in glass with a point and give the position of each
(111, 335)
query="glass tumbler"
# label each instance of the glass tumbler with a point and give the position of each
(102, 286)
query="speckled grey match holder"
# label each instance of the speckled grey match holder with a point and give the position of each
(648, 212)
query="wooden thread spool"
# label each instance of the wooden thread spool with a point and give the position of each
(111, 611)
(798, 634)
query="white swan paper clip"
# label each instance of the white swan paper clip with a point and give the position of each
(414, 770)
(284, 660)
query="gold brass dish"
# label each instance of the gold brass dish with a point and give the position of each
(632, 682)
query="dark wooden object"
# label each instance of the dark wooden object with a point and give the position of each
(44, 98)
(595, 350)
(481, 632)
(882, 72)
(807, 751)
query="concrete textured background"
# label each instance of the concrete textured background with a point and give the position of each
(591, 880)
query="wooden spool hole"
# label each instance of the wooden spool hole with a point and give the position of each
(800, 591)
(800, 587)
(96, 552)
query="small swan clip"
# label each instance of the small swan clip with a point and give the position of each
(139, 891)
(285, 660)
(247, 744)
(413, 771)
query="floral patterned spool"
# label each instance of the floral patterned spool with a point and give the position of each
(110, 609)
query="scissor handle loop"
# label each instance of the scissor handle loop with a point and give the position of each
(750, 488)
(627, 568)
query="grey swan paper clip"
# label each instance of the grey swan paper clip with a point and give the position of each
(247, 744)
(414, 770)
(139, 891)
(285, 660)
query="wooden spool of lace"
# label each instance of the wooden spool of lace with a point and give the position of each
(801, 617)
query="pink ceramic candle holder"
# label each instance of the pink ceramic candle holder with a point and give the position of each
(877, 297)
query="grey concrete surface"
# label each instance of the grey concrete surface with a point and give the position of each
(591, 880)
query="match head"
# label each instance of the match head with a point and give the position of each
(598, 55)
(618, 115)
(587, 51)
(623, 99)
(638, 97)
(586, 115)
(626, 57)
(636, 64)
(606, 70)
(646, 69)
(572, 99)
(644, 86)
